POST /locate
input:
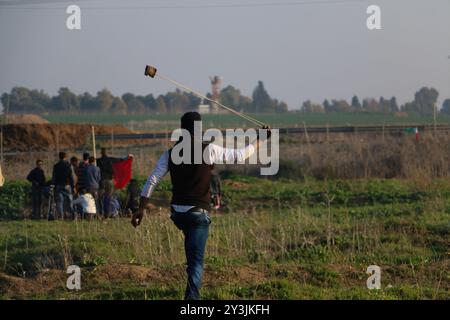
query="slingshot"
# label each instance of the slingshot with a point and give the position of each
(151, 72)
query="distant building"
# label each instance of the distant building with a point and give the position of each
(203, 108)
(216, 83)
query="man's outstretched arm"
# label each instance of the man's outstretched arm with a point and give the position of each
(162, 167)
(218, 154)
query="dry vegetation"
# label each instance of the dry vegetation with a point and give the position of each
(338, 156)
(372, 156)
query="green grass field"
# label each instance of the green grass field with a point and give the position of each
(229, 120)
(276, 240)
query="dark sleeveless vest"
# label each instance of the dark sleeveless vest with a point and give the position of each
(191, 182)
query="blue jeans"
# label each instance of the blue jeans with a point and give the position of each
(195, 227)
(64, 199)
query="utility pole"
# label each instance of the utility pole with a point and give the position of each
(94, 149)
(112, 142)
(306, 133)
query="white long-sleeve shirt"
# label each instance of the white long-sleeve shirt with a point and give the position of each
(87, 202)
(216, 153)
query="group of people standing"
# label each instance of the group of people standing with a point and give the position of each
(80, 187)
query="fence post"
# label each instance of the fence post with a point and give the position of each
(57, 141)
(306, 132)
(112, 141)
(93, 144)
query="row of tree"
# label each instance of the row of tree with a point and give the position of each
(24, 100)
(424, 103)
(261, 102)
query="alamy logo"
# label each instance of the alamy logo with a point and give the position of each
(73, 21)
(374, 20)
(267, 154)
(374, 281)
(74, 280)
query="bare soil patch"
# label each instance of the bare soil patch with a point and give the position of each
(46, 136)
(25, 119)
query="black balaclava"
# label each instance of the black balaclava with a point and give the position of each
(187, 121)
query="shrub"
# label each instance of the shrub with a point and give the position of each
(14, 197)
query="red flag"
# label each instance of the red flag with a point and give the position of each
(122, 173)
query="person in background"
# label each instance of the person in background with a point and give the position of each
(105, 163)
(87, 203)
(131, 204)
(111, 205)
(37, 179)
(115, 206)
(81, 184)
(92, 179)
(62, 179)
(74, 166)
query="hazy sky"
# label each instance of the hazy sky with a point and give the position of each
(300, 51)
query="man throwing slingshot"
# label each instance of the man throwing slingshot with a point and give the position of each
(190, 203)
